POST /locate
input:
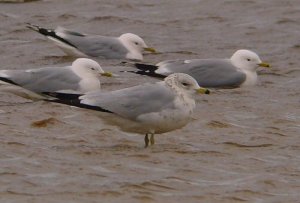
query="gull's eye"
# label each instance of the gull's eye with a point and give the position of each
(136, 43)
(93, 68)
(185, 84)
(248, 59)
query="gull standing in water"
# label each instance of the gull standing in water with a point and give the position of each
(146, 109)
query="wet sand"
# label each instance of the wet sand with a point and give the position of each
(242, 146)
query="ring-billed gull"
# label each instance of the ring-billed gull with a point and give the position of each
(146, 109)
(81, 77)
(239, 70)
(127, 46)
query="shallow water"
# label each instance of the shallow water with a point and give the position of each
(242, 146)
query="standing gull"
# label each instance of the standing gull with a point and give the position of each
(81, 77)
(146, 109)
(127, 46)
(238, 71)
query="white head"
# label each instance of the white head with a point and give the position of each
(185, 83)
(135, 45)
(84, 66)
(247, 60)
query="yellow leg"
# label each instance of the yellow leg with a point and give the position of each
(152, 139)
(146, 141)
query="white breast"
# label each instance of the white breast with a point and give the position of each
(170, 119)
(89, 84)
(251, 78)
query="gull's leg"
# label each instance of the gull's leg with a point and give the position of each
(146, 141)
(152, 139)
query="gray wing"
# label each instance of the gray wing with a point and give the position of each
(134, 101)
(209, 72)
(96, 45)
(49, 79)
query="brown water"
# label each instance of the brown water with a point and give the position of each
(243, 145)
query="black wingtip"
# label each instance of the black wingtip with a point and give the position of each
(145, 67)
(72, 100)
(148, 70)
(147, 73)
(48, 33)
(8, 81)
(63, 96)
(43, 31)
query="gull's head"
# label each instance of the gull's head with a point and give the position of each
(88, 66)
(136, 45)
(247, 60)
(185, 82)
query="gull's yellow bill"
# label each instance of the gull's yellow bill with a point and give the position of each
(150, 49)
(202, 90)
(107, 74)
(263, 64)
